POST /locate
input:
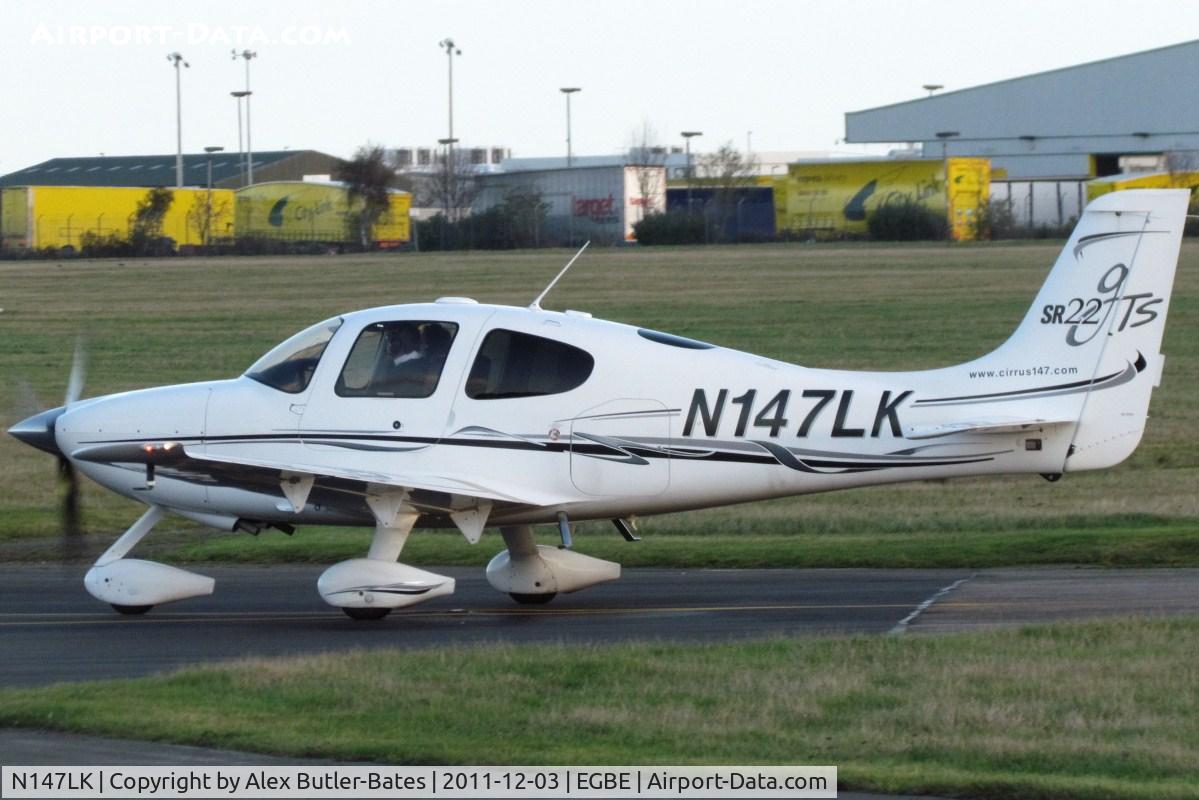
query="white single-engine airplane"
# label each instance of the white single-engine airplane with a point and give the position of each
(476, 416)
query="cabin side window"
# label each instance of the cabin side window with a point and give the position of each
(397, 359)
(512, 364)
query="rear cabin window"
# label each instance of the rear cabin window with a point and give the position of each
(396, 359)
(512, 364)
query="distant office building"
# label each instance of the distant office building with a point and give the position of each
(431, 157)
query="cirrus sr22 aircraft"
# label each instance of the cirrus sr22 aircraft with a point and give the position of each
(455, 413)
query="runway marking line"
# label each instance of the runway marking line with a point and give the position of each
(902, 625)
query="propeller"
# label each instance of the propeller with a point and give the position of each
(37, 430)
(70, 518)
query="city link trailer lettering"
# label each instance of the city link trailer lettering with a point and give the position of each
(315, 212)
(829, 199)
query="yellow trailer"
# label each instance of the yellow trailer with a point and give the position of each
(314, 212)
(836, 198)
(1148, 180)
(57, 217)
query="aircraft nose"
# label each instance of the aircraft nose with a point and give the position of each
(38, 430)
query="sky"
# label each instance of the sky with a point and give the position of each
(84, 78)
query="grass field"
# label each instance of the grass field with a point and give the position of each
(1097, 710)
(852, 306)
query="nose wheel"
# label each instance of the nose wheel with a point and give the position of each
(371, 613)
(130, 610)
(532, 599)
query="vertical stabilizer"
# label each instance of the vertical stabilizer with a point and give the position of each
(1095, 328)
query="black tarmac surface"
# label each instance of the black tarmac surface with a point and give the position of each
(52, 630)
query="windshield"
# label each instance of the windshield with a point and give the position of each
(289, 366)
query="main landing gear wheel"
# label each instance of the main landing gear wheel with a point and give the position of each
(532, 599)
(131, 610)
(366, 613)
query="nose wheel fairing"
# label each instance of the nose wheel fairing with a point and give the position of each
(132, 585)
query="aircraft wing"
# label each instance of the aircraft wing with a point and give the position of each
(982, 426)
(466, 502)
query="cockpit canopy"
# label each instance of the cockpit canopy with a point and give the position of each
(289, 366)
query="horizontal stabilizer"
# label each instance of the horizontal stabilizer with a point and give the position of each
(982, 426)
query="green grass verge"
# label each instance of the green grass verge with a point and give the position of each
(1131, 546)
(1091, 710)
(859, 306)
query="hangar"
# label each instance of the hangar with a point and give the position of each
(1048, 133)
(159, 170)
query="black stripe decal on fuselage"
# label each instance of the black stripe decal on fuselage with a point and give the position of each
(772, 453)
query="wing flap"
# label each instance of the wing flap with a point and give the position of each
(425, 482)
(990, 427)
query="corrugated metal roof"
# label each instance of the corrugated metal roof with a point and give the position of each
(141, 170)
(1143, 94)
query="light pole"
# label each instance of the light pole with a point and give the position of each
(176, 59)
(210, 150)
(241, 154)
(945, 136)
(568, 91)
(448, 186)
(451, 50)
(208, 206)
(247, 55)
(687, 137)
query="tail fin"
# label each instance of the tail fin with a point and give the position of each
(1096, 325)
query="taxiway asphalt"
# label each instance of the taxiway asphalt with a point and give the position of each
(52, 630)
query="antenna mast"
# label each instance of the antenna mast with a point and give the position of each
(536, 304)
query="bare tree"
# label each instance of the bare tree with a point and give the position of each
(368, 177)
(451, 187)
(728, 173)
(648, 155)
(204, 213)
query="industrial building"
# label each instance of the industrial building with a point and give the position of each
(228, 169)
(1049, 133)
(598, 203)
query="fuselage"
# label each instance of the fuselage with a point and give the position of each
(605, 420)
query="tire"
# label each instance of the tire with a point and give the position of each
(532, 599)
(130, 610)
(363, 614)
